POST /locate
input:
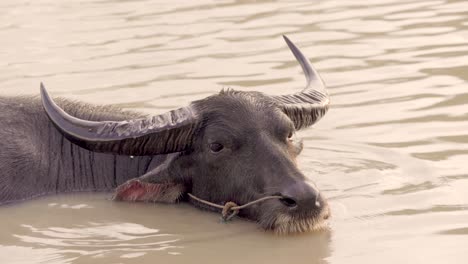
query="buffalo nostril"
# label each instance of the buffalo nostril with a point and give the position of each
(289, 202)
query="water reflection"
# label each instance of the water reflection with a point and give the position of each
(149, 233)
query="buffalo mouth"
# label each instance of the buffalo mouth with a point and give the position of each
(285, 223)
(289, 224)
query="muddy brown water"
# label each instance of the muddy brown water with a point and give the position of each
(391, 154)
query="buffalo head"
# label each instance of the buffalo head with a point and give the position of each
(233, 146)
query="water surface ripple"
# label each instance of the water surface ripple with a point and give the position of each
(390, 154)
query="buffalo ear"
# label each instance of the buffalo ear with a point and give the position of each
(136, 190)
(163, 183)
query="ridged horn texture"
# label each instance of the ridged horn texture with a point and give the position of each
(308, 106)
(160, 134)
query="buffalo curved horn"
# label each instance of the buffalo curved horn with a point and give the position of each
(308, 106)
(160, 134)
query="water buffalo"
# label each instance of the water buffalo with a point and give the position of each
(233, 146)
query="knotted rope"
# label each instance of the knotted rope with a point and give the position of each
(231, 209)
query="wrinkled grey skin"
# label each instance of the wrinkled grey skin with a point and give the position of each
(257, 157)
(35, 159)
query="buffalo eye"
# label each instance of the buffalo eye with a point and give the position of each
(290, 135)
(216, 147)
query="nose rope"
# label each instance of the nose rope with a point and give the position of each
(231, 209)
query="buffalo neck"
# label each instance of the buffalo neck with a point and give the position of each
(67, 167)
